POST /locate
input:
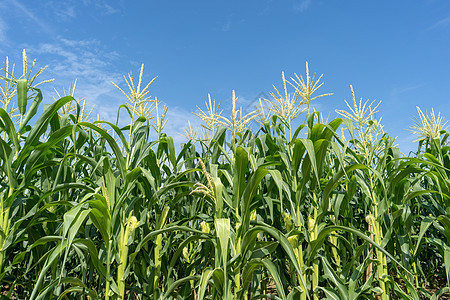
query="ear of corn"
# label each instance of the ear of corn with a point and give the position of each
(22, 95)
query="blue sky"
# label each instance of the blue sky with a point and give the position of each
(393, 51)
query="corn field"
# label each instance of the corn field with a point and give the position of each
(251, 206)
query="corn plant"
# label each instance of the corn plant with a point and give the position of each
(113, 209)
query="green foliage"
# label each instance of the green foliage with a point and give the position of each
(92, 210)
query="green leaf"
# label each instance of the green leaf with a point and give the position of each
(249, 193)
(41, 150)
(6, 155)
(315, 245)
(309, 146)
(32, 110)
(101, 216)
(41, 126)
(250, 236)
(174, 285)
(424, 225)
(239, 171)
(330, 293)
(445, 221)
(9, 128)
(223, 231)
(331, 275)
(206, 276)
(112, 143)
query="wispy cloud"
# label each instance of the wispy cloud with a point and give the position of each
(406, 142)
(178, 118)
(3, 23)
(232, 21)
(102, 5)
(30, 14)
(3, 29)
(226, 27)
(106, 8)
(441, 23)
(66, 14)
(404, 89)
(92, 67)
(302, 5)
(71, 9)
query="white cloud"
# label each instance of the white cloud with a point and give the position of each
(302, 5)
(246, 104)
(226, 27)
(177, 121)
(29, 13)
(106, 8)
(400, 90)
(69, 12)
(3, 29)
(441, 23)
(3, 25)
(65, 11)
(92, 67)
(405, 142)
(101, 5)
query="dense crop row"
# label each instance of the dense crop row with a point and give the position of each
(91, 210)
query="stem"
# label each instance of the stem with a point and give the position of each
(123, 251)
(299, 254)
(108, 269)
(125, 234)
(5, 222)
(237, 277)
(314, 233)
(298, 251)
(381, 269)
(416, 278)
(378, 234)
(369, 269)
(158, 247)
